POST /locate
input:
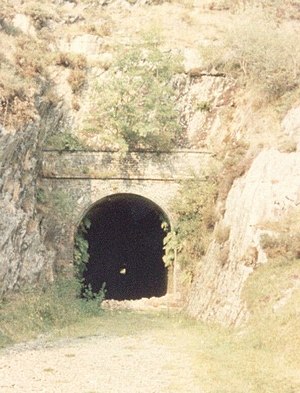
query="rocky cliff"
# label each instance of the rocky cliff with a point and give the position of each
(266, 193)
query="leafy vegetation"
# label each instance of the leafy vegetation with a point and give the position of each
(194, 207)
(81, 255)
(135, 106)
(64, 141)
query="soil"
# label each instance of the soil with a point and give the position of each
(143, 362)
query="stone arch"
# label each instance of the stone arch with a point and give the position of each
(126, 246)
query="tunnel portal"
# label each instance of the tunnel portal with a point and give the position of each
(126, 247)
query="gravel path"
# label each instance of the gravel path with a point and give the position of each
(130, 364)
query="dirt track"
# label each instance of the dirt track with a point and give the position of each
(142, 363)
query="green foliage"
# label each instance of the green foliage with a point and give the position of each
(81, 255)
(64, 141)
(62, 203)
(135, 106)
(89, 295)
(41, 196)
(194, 207)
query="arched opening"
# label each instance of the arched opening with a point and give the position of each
(125, 246)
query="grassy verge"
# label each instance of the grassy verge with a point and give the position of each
(36, 311)
(261, 357)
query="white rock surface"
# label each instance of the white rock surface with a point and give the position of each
(192, 59)
(265, 193)
(24, 23)
(84, 44)
(291, 125)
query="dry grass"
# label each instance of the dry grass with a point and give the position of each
(258, 50)
(221, 233)
(283, 236)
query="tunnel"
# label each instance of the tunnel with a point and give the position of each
(125, 246)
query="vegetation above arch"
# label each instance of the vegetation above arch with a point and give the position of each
(135, 106)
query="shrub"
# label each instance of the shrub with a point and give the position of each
(194, 208)
(260, 51)
(135, 106)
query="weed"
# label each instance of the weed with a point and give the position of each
(194, 207)
(203, 106)
(283, 237)
(41, 13)
(59, 202)
(235, 162)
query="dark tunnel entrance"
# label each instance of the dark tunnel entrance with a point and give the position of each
(126, 248)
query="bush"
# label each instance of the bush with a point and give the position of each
(260, 51)
(194, 208)
(135, 106)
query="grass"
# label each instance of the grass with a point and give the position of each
(259, 51)
(260, 357)
(35, 311)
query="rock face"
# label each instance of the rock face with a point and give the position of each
(291, 126)
(22, 254)
(269, 189)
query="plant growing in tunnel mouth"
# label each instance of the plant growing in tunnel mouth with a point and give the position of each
(81, 258)
(194, 207)
(81, 255)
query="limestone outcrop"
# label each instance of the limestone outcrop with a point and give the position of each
(22, 254)
(264, 194)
